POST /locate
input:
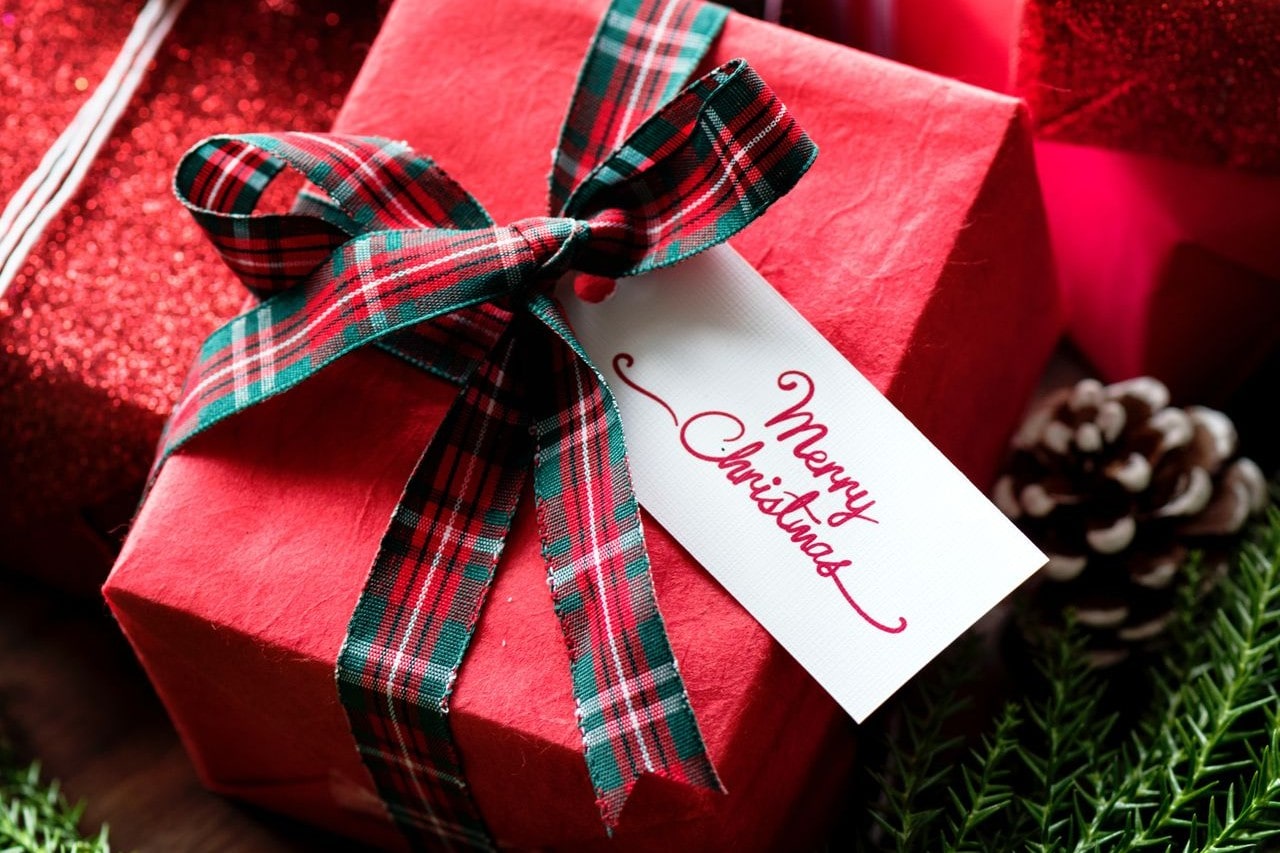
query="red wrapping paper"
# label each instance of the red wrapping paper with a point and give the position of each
(100, 325)
(919, 225)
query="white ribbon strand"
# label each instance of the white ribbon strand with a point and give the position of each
(60, 172)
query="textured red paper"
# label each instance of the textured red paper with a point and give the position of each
(100, 325)
(1186, 79)
(916, 245)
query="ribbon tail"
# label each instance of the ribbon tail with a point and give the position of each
(632, 706)
(419, 608)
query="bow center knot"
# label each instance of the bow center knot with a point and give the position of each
(553, 242)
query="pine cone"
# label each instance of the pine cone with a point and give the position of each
(1117, 487)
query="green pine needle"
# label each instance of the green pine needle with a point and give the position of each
(986, 792)
(1189, 783)
(35, 817)
(912, 786)
(1199, 771)
(1069, 732)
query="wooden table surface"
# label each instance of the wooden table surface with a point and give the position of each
(72, 695)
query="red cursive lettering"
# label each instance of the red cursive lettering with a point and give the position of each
(800, 422)
(719, 437)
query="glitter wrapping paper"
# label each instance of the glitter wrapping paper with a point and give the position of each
(53, 53)
(919, 223)
(1193, 80)
(100, 326)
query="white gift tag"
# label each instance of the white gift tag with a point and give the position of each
(816, 504)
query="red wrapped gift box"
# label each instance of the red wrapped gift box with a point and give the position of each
(238, 579)
(970, 40)
(1157, 147)
(98, 329)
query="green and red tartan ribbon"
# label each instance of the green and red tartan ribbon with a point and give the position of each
(395, 254)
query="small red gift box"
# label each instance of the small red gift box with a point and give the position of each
(970, 40)
(1157, 148)
(239, 577)
(100, 325)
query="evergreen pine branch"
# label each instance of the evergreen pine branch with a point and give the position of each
(1199, 771)
(1128, 774)
(985, 792)
(1256, 818)
(1204, 722)
(913, 786)
(1070, 731)
(35, 817)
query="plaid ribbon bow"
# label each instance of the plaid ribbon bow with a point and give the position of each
(395, 254)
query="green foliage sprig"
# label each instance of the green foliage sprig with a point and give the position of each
(35, 817)
(1198, 770)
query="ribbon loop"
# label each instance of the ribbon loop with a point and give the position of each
(694, 174)
(370, 184)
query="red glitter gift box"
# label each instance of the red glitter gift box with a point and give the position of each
(1158, 148)
(1160, 156)
(931, 273)
(99, 326)
(1185, 79)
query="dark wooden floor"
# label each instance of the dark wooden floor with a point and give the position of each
(72, 695)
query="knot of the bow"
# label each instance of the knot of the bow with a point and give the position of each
(554, 243)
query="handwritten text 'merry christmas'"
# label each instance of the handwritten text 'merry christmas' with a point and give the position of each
(721, 438)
